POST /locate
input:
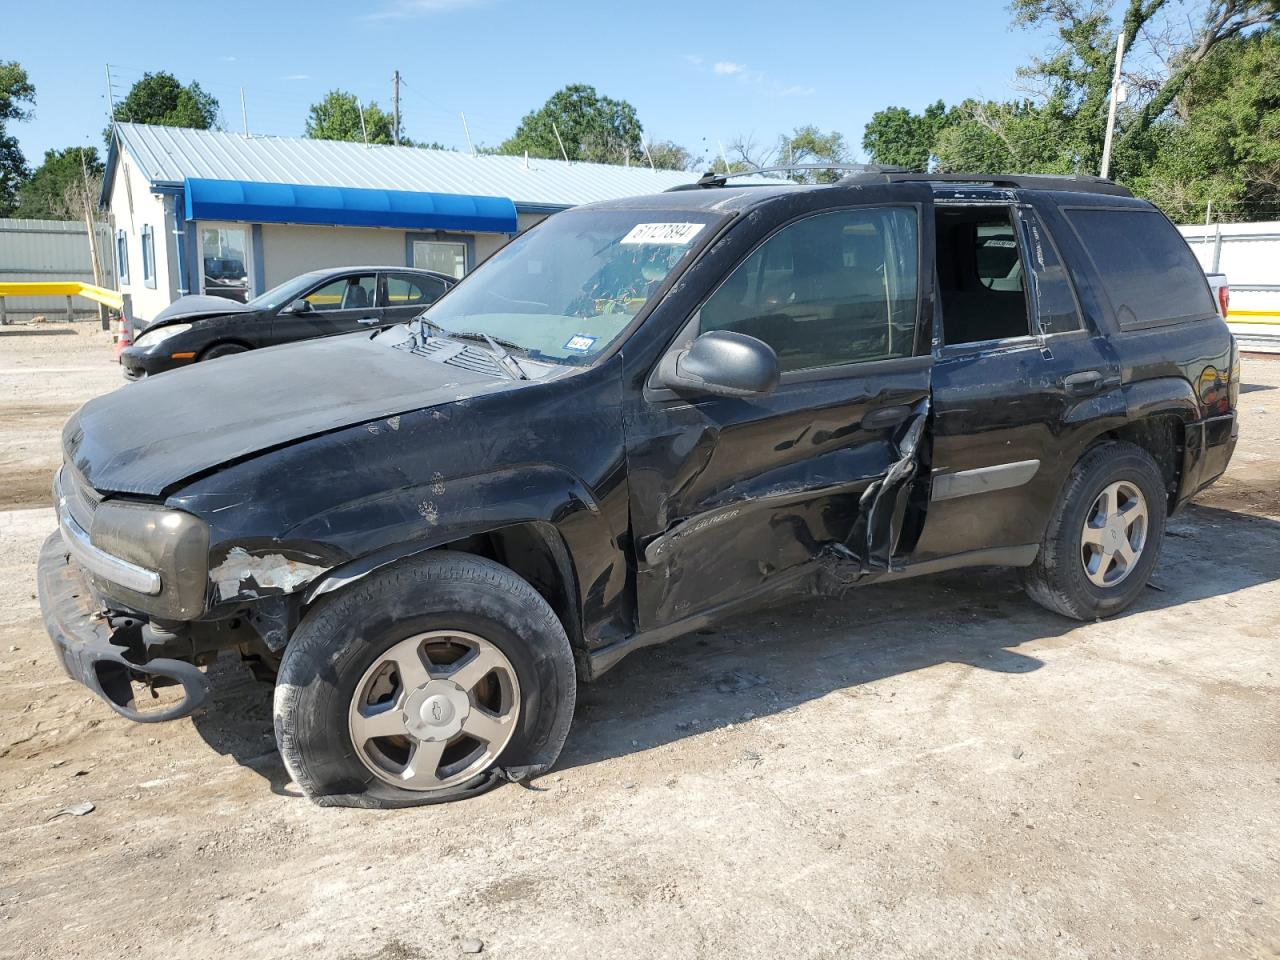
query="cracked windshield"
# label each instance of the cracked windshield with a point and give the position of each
(565, 290)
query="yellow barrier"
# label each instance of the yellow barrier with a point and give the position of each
(63, 288)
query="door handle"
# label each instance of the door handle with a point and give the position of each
(1083, 383)
(883, 417)
(369, 321)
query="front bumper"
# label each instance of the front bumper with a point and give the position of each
(139, 362)
(103, 651)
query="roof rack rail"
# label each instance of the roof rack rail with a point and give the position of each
(1068, 184)
(713, 179)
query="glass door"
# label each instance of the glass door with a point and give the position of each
(226, 260)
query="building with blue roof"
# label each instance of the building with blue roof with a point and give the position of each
(214, 212)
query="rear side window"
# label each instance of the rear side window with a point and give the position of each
(409, 291)
(1147, 271)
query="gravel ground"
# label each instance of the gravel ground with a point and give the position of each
(936, 768)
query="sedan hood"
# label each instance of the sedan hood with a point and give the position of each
(197, 305)
(148, 436)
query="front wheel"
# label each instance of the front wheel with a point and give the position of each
(1103, 543)
(222, 350)
(427, 682)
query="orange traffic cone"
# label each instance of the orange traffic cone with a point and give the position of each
(124, 337)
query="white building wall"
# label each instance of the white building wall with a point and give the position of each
(290, 250)
(134, 206)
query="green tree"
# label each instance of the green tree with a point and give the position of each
(56, 190)
(337, 117)
(669, 155)
(1222, 145)
(900, 138)
(808, 144)
(592, 128)
(159, 98)
(17, 97)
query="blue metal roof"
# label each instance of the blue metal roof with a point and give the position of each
(346, 206)
(169, 156)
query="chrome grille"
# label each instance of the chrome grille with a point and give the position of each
(82, 500)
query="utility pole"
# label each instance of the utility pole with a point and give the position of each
(111, 101)
(395, 108)
(467, 130)
(244, 114)
(364, 131)
(1117, 94)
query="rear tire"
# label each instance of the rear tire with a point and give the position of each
(379, 652)
(222, 350)
(1102, 544)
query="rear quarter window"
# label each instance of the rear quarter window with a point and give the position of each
(1147, 271)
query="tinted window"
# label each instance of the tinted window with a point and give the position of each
(406, 291)
(345, 293)
(1147, 271)
(835, 288)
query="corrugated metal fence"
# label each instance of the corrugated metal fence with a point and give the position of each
(1249, 254)
(51, 250)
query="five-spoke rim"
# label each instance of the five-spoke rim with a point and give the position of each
(434, 710)
(1115, 532)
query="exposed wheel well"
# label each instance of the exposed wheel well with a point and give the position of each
(223, 343)
(1164, 438)
(535, 552)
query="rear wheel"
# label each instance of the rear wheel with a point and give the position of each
(1103, 543)
(222, 350)
(424, 683)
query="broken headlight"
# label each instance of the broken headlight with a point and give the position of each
(172, 543)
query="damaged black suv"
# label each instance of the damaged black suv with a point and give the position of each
(636, 418)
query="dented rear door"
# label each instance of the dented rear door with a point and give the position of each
(730, 496)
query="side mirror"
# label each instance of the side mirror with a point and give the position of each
(722, 363)
(301, 306)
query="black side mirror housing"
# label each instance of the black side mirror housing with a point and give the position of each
(722, 363)
(301, 306)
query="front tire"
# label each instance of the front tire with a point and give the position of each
(431, 681)
(1101, 546)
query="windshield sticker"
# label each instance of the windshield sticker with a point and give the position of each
(672, 234)
(580, 343)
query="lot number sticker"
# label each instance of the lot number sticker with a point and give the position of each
(670, 234)
(580, 343)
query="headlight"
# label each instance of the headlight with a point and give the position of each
(173, 543)
(161, 334)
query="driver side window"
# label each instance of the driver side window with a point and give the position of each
(835, 288)
(345, 293)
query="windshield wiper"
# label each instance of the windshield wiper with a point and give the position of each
(509, 364)
(477, 335)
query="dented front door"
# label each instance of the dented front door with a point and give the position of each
(730, 497)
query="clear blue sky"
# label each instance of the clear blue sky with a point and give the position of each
(696, 72)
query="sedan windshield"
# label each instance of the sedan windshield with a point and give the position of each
(285, 293)
(565, 290)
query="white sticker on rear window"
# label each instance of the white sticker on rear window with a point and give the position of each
(670, 234)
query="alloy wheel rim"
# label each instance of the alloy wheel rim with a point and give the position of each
(1114, 534)
(434, 710)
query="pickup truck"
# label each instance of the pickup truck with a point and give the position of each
(637, 418)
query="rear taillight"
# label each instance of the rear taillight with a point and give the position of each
(1224, 299)
(1233, 385)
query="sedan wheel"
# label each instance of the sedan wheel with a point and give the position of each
(434, 709)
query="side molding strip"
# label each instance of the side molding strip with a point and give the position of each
(965, 483)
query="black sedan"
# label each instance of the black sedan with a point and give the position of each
(317, 304)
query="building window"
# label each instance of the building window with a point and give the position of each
(443, 256)
(148, 257)
(225, 258)
(122, 256)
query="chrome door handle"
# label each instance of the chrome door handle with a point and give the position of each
(369, 321)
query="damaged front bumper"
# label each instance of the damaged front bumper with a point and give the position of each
(107, 653)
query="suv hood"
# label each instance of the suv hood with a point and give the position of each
(147, 436)
(196, 305)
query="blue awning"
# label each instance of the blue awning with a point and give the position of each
(253, 202)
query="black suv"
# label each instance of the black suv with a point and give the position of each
(636, 418)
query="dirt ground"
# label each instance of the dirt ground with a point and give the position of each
(936, 768)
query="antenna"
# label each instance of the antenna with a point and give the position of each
(723, 157)
(244, 114)
(395, 108)
(467, 130)
(564, 153)
(364, 132)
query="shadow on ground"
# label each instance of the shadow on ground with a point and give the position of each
(777, 658)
